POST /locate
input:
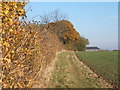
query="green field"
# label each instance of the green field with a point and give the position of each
(103, 63)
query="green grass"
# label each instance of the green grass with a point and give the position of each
(104, 63)
(70, 73)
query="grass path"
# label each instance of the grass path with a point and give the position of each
(69, 72)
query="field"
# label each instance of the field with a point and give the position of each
(103, 63)
(69, 72)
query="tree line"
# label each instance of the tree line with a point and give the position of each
(57, 23)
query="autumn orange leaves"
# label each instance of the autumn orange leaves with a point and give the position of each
(18, 47)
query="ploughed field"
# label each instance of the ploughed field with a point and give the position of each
(103, 63)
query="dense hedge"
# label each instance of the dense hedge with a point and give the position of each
(20, 47)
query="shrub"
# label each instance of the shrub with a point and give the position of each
(20, 47)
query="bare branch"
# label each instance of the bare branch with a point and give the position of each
(57, 16)
(45, 19)
(53, 16)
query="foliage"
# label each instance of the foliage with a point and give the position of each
(68, 35)
(80, 45)
(22, 51)
(64, 30)
(47, 45)
(20, 47)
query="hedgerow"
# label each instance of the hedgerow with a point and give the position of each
(28, 49)
(20, 47)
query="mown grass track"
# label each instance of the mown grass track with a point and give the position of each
(69, 72)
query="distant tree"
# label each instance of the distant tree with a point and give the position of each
(45, 19)
(67, 34)
(64, 30)
(57, 15)
(80, 45)
(53, 16)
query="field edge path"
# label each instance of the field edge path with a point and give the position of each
(100, 82)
